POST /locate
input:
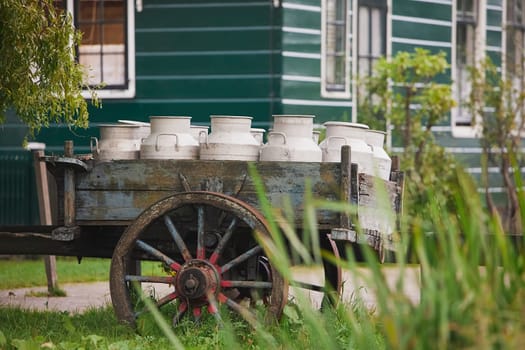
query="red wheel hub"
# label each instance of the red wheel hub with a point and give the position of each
(196, 280)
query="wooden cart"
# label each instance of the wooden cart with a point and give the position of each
(203, 222)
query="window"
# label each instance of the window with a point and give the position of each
(371, 34)
(515, 38)
(107, 46)
(465, 56)
(514, 52)
(335, 48)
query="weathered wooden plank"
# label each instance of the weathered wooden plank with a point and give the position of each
(119, 191)
(44, 208)
(378, 203)
(164, 174)
(122, 205)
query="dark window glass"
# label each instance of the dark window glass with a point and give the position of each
(466, 22)
(371, 34)
(103, 50)
(336, 42)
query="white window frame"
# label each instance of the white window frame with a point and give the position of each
(355, 53)
(467, 131)
(504, 49)
(130, 91)
(325, 90)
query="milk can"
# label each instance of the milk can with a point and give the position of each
(258, 134)
(144, 128)
(117, 141)
(315, 136)
(339, 134)
(382, 162)
(199, 132)
(230, 139)
(170, 138)
(291, 139)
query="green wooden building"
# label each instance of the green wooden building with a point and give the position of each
(261, 57)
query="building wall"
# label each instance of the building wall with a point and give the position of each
(301, 63)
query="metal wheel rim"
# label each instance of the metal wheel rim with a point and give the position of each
(121, 256)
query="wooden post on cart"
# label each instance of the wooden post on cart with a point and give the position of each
(44, 208)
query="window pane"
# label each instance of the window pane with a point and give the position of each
(371, 34)
(103, 46)
(466, 21)
(377, 45)
(113, 72)
(515, 41)
(363, 30)
(335, 45)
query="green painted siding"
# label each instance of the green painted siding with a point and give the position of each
(422, 9)
(300, 42)
(300, 89)
(322, 113)
(302, 67)
(495, 57)
(494, 18)
(18, 200)
(421, 31)
(237, 87)
(494, 39)
(189, 14)
(298, 18)
(203, 64)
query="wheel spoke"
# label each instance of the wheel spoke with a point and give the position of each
(243, 311)
(158, 254)
(177, 238)
(167, 299)
(183, 307)
(213, 309)
(313, 287)
(161, 302)
(222, 243)
(200, 233)
(150, 279)
(246, 284)
(197, 312)
(244, 256)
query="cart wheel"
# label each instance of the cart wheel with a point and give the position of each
(333, 275)
(331, 287)
(205, 244)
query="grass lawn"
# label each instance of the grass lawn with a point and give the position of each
(21, 273)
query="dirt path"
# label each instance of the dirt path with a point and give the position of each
(79, 297)
(83, 296)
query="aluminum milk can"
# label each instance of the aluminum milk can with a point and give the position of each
(117, 141)
(230, 139)
(382, 161)
(291, 140)
(339, 134)
(170, 138)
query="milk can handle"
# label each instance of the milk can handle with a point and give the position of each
(93, 145)
(157, 148)
(205, 133)
(278, 133)
(205, 139)
(335, 137)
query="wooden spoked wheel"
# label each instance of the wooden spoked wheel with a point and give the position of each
(329, 289)
(209, 255)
